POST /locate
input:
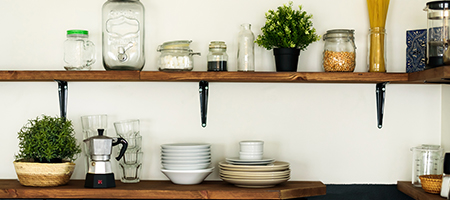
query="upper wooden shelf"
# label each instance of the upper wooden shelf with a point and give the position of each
(436, 75)
(162, 190)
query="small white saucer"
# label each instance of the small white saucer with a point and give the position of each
(237, 161)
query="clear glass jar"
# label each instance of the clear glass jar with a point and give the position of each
(437, 32)
(217, 56)
(123, 35)
(176, 56)
(376, 57)
(339, 51)
(79, 52)
(246, 46)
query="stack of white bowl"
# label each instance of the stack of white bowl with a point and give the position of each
(186, 163)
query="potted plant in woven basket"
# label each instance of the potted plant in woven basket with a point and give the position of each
(47, 149)
(287, 32)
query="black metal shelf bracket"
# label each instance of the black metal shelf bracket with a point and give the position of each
(380, 96)
(63, 93)
(203, 90)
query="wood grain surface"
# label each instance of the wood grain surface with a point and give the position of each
(163, 190)
(416, 192)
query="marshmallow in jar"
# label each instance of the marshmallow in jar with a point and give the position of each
(176, 56)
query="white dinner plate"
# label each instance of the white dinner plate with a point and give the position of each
(237, 161)
(254, 177)
(256, 174)
(255, 183)
(275, 166)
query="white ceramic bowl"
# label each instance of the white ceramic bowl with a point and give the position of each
(252, 146)
(186, 146)
(187, 177)
(250, 156)
(186, 161)
(186, 166)
(185, 157)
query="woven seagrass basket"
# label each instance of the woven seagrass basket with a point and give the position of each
(431, 183)
(43, 174)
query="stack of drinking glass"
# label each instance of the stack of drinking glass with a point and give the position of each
(131, 163)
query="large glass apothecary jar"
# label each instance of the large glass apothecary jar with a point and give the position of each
(176, 56)
(123, 35)
(339, 50)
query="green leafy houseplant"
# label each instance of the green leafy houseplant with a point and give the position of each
(287, 28)
(48, 140)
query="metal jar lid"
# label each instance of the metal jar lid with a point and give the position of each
(182, 45)
(217, 45)
(438, 5)
(339, 33)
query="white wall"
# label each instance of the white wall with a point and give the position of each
(326, 131)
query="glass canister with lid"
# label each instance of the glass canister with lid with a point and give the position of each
(339, 50)
(217, 57)
(176, 56)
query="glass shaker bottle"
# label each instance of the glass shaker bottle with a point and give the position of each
(217, 56)
(123, 35)
(339, 50)
(437, 33)
(246, 46)
(79, 52)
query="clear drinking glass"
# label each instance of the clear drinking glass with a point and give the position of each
(246, 49)
(130, 173)
(132, 157)
(90, 125)
(127, 128)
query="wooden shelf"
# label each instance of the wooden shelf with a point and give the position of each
(435, 75)
(416, 192)
(162, 190)
(299, 77)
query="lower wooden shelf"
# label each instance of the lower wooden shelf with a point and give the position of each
(416, 192)
(162, 190)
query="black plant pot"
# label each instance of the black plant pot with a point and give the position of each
(286, 59)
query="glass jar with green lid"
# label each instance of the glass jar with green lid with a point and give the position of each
(217, 57)
(79, 52)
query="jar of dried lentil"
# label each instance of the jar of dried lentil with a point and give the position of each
(339, 51)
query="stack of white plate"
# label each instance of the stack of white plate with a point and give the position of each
(186, 163)
(254, 175)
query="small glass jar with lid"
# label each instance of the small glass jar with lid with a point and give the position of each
(176, 56)
(339, 50)
(217, 57)
(79, 51)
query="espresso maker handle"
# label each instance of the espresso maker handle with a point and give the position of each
(124, 147)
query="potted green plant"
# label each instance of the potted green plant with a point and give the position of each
(47, 149)
(287, 32)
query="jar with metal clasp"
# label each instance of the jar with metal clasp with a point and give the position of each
(339, 50)
(176, 56)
